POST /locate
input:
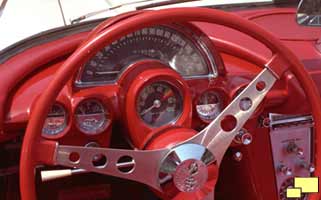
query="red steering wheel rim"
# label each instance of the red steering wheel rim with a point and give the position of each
(32, 139)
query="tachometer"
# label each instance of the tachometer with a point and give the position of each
(159, 103)
(91, 117)
(209, 105)
(160, 43)
(56, 120)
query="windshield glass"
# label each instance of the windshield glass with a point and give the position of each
(20, 19)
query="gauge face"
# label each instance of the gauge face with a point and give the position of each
(209, 105)
(91, 117)
(159, 103)
(56, 120)
(160, 43)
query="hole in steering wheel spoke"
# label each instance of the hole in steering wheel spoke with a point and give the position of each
(99, 161)
(245, 103)
(228, 123)
(260, 86)
(125, 164)
(74, 157)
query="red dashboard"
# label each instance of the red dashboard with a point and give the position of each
(141, 86)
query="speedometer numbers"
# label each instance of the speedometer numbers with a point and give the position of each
(159, 103)
(160, 43)
(209, 105)
(91, 117)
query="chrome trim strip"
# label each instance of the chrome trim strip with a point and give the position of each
(275, 120)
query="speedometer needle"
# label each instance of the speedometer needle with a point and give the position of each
(156, 104)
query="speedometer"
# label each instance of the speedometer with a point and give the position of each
(159, 103)
(161, 43)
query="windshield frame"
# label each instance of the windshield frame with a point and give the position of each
(86, 26)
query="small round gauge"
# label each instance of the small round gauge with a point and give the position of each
(91, 117)
(159, 103)
(209, 105)
(56, 120)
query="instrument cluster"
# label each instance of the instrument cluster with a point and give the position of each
(157, 104)
(185, 53)
(181, 49)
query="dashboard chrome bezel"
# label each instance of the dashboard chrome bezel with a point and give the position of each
(188, 31)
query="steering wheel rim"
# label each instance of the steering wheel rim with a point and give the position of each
(282, 60)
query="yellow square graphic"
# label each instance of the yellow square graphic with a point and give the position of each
(308, 185)
(293, 192)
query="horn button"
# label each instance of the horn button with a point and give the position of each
(186, 166)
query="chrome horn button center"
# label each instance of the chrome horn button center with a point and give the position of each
(190, 175)
(186, 166)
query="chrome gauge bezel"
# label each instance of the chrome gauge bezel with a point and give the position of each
(59, 131)
(105, 115)
(185, 30)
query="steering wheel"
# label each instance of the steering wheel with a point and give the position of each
(191, 165)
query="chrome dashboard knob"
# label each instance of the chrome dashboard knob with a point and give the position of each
(292, 147)
(238, 156)
(246, 139)
(243, 137)
(285, 170)
(308, 166)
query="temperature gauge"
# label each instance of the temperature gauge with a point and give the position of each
(209, 105)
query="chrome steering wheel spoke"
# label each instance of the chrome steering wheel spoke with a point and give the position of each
(218, 138)
(181, 163)
(136, 165)
(156, 167)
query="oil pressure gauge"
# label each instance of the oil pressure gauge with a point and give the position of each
(209, 105)
(91, 117)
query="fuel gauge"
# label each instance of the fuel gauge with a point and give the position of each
(209, 105)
